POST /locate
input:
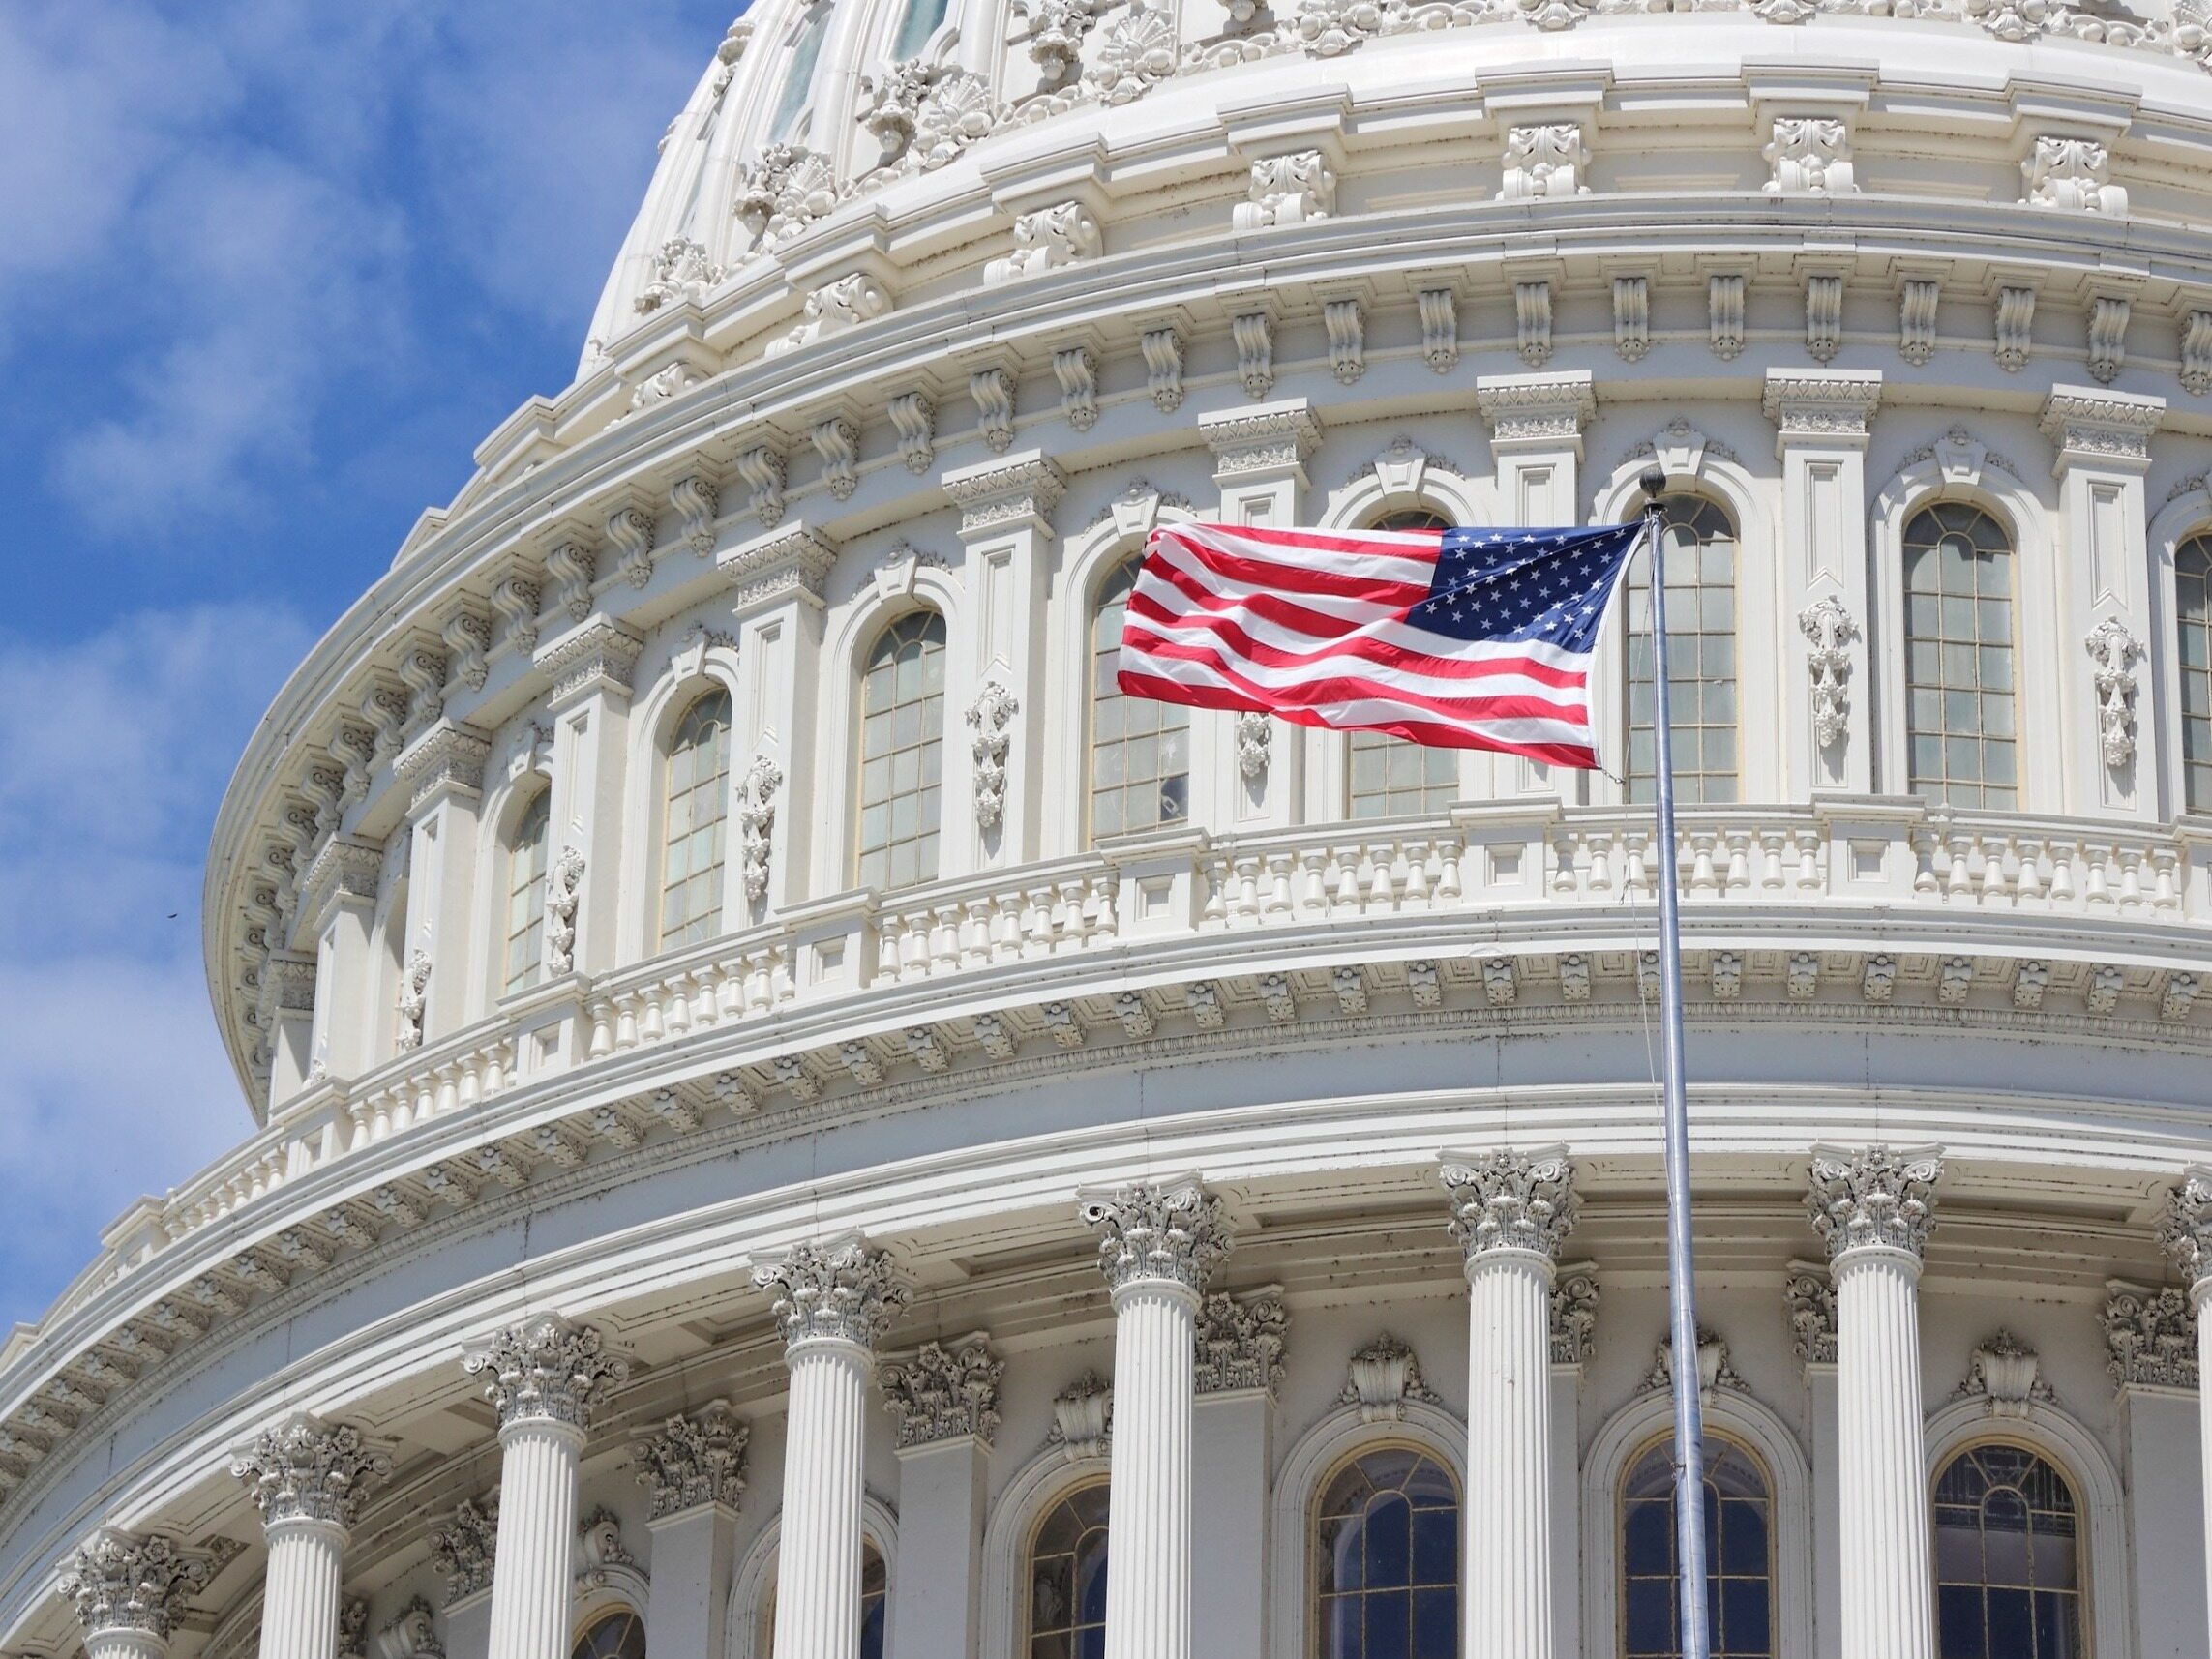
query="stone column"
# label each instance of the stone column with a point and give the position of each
(1157, 1244)
(694, 1469)
(1511, 1212)
(2152, 1336)
(1875, 1208)
(2104, 608)
(2187, 1235)
(1238, 1367)
(308, 1479)
(833, 1301)
(546, 1377)
(128, 1591)
(946, 1403)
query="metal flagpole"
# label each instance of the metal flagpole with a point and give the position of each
(1682, 1291)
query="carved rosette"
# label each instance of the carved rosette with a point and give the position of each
(463, 1549)
(1171, 1232)
(1240, 1342)
(2185, 1230)
(306, 1470)
(547, 1369)
(1874, 1199)
(841, 1290)
(690, 1462)
(1511, 1200)
(120, 1581)
(2151, 1336)
(943, 1394)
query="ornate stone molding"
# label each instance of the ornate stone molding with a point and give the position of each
(1381, 1378)
(599, 1548)
(1286, 190)
(1828, 630)
(1082, 1417)
(1255, 735)
(1265, 437)
(1811, 1298)
(991, 716)
(1575, 1298)
(1713, 1369)
(600, 653)
(2101, 426)
(690, 1462)
(2113, 649)
(2008, 1376)
(1170, 1231)
(1241, 1341)
(945, 1394)
(998, 494)
(841, 1290)
(2151, 1336)
(1874, 1198)
(341, 869)
(2185, 1230)
(756, 822)
(834, 308)
(1511, 1200)
(463, 1549)
(1065, 233)
(448, 756)
(2073, 174)
(413, 1634)
(1835, 403)
(547, 1369)
(123, 1580)
(792, 560)
(1546, 159)
(306, 1470)
(562, 893)
(1535, 407)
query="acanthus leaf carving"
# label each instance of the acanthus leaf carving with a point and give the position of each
(1874, 1198)
(1574, 1299)
(1511, 1199)
(2113, 649)
(683, 270)
(756, 822)
(2151, 1336)
(1809, 155)
(546, 1369)
(2007, 1375)
(839, 1290)
(1287, 190)
(1171, 1232)
(945, 1394)
(463, 1549)
(124, 1581)
(1065, 233)
(1382, 1378)
(1241, 1341)
(1829, 630)
(833, 309)
(690, 1462)
(306, 1470)
(1082, 1417)
(991, 716)
(1546, 160)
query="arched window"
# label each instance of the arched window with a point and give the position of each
(526, 894)
(1385, 1559)
(2008, 1572)
(616, 1635)
(697, 817)
(875, 1601)
(1067, 1578)
(792, 103)
(1958, 657)
(1391, 777)
(916, 23)
(1739, 1544)
(1699, 540)
(902, 752)
(2193, 609)
(1140, 749)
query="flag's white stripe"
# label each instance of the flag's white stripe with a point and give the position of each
(1344, 610)
(1488, 688)
(1416, 566)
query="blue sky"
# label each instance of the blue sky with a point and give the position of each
(269, 270)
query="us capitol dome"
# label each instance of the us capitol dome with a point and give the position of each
(794, 1120)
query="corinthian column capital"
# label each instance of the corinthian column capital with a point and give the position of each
(837, 1291)
(2185, 1230)
(122, 1581)
(305, 1469)
(1511, 1201)
(1872, 1199)
(547, 1369)
(1170, 1231)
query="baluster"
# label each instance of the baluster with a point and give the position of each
(1809, 860)
(1313, 881)
(1562, 860)
(2165, 888)
(672, 1007)
(976, 930)
(1347, 863)
(1216, 913)
(1448, 872)
(1381, 887)
(1036, 923)
(2097, 890)
(498, 1062)
(944, 939)
(730, 988)
(1105, 924)
(705, 1008)
(1279, 901)
(1601, 848)
(1771, 844)
(1702, 878)
(471, 1079)
(1996, 882)
(601, 1042)
(448, 1088)
(1923, 845)
(782, 988)
(652, 1019)
(625, 1020)
(1637, 876)
(1739, 860)
(2062, 856)
(2131, 862)
(425, 1101)
(1960, 880)
(1246, 907)
(1417, 876)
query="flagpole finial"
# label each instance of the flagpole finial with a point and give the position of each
(1653, 483)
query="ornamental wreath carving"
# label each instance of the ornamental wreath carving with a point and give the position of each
(562, 892)
(990, 716)
(2113, 649)
(756, 822)
(1829, 630)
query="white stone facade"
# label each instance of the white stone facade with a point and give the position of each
(606, 1024)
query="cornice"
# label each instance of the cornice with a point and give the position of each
(447, 759)
(598, 654)
(792, 560)
(1525, 409)
(1822, 406)
(2091, 427)
(995, 497)
(1261, 437)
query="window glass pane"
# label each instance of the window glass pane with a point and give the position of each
(1068, 1576)
(902, 744)
(2006, 1558)
(526, 896)
(798, 78)
(691, 835)
(1140, 771)
(1739, 1506)
(1958, 657)
(1385, 1559)
(617, 1634)
(1699, 543)
(2193, 610)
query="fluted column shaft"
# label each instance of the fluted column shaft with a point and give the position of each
(2199, 1293)
(818, 1573)
(125, 1644)
(299, 1596)
(1508, 1538)
(1883, 1524)
(1148, 1584)
(534, 1560)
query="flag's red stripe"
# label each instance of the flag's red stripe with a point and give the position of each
(1268, 576)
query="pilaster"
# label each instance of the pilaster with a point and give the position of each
(946, 1403)
(1006, 523)
(593, 668)
(1240, 1365)
(1822, 422)
(2104, 620)
(2150, 1333)
(695, 1470)
(1574, 1297)
(776, 581)
(443, 770)
(1811, 1301)
(337, 898)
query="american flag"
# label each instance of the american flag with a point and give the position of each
(1459, 638)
